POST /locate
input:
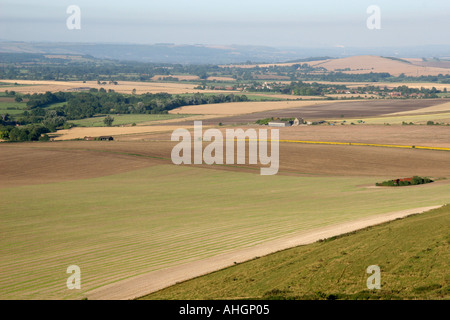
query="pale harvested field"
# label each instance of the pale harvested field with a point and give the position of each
(366, 64)
(420, 119)
(122, 87)
(440, 108)
(390, 85)
(284, 96)
(238, 108)
(81, 132)
(142, 285)
(363, 64)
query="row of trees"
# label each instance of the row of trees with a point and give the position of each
(42, 118)
(86, 104)
(309, 89)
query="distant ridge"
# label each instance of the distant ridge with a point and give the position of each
(216, 54)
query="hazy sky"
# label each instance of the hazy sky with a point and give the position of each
(297, 23)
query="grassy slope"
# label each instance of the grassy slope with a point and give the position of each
(413, 254)
(128, 224)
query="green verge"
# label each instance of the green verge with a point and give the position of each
(412, 253)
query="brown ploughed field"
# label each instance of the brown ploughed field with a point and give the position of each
(323, 111)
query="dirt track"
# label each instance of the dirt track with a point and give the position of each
(141, 285)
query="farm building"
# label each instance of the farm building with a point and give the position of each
(105, 138)
(279, 124)
(298, 121)
(89, 138)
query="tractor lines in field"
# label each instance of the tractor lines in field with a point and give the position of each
(352, 144)
(338, 143)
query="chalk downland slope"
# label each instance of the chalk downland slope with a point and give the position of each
(412, 253)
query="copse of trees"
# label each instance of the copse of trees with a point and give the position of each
(43, 100)
(416, 180)
(308, 89)
(33, 132)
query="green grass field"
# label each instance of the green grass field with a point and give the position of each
(125, 119)
(412, 253)
(12, 107)
(128, 224)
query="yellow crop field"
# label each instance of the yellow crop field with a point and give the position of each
(237, 108)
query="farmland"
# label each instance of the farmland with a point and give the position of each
(123, 212)
(36, 86)
(89, 222)
(317, 110)
(364, 64)
(9, 106)
(243, 108)
(411, 252)
(235, 151)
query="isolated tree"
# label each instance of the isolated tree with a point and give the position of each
(108, 121)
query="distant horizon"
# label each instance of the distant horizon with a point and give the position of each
(214, 53)
(286, 23)
(223, 45)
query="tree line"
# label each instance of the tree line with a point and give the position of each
(42, 116)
